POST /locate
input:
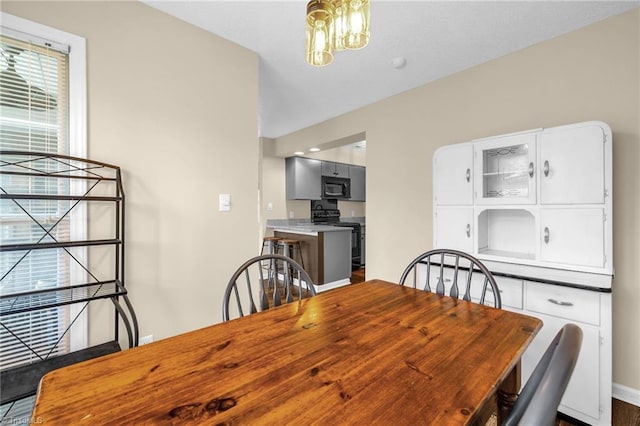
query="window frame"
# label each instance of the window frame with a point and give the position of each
(26, 30)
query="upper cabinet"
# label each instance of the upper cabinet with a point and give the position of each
(329, 168)
(358, 183)
(303, 178)
(453, 180)
(572, 169)
(540, 198)
(505, 170)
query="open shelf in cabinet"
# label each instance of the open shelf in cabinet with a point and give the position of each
(496, 228)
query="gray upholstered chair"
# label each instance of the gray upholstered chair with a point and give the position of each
(263, 282)
(453, 273)
(538, 402)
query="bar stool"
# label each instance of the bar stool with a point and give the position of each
(270, 245)
(291, 248)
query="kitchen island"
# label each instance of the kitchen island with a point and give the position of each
(326, 251)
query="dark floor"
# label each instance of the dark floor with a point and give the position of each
(357, 276)
(623, 414)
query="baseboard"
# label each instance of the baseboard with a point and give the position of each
(626, 394)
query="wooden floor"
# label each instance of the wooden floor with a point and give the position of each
(625, 414)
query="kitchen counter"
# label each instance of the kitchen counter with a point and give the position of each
(308, 228)
(326, 250)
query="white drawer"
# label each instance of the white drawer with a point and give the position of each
(510, 291)
(563, 302)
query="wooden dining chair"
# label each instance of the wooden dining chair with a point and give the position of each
(538, 402)
(453, 273)
(263, 282)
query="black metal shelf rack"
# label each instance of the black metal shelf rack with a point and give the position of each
(84, 182)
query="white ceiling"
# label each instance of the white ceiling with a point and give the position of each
(437, 38)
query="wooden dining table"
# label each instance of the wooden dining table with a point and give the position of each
(368, 353)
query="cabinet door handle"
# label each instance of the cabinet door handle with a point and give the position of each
(531, 169)
(468, 175)
(546, 235)
(546, 168)
(560, 303)
(468, 230)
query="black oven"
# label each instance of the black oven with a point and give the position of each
(326, 212)
(336, 188)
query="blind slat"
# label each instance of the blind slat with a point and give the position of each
(33, 117)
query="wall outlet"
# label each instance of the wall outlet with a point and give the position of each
(145, 339)
(291, 215)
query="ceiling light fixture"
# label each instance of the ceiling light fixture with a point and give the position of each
(334, 25)
(314, 149)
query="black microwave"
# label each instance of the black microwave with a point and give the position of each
(335, 187)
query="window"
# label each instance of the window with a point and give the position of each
(42, 108)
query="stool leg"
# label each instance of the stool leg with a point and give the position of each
(300, 290)
(300, 254)
(286, 251)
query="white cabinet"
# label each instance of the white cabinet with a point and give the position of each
(505, 170)
(454, 228)
(453, 180)
(572, 167)
(540, 197)
(540, 218)
(573, 236)
(588, 395)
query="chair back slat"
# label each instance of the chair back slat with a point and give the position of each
(275, 279)
(446, 267)
(454, 285)
(467, 287)
(440, 285)
(427, 285)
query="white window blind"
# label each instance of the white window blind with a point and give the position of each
(34, 116)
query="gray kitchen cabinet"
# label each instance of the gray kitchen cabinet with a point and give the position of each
(358, 183)
(303, 178)
(329, 168)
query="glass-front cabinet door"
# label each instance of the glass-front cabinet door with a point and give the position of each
(505, 170)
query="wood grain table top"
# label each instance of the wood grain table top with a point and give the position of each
(368, 353)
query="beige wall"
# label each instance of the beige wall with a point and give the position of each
(589, 74)
(176, 108)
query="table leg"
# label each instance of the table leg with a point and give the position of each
(508, 392)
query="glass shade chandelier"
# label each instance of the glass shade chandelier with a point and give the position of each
(334, 25)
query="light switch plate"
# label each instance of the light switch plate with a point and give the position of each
(224, 202)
